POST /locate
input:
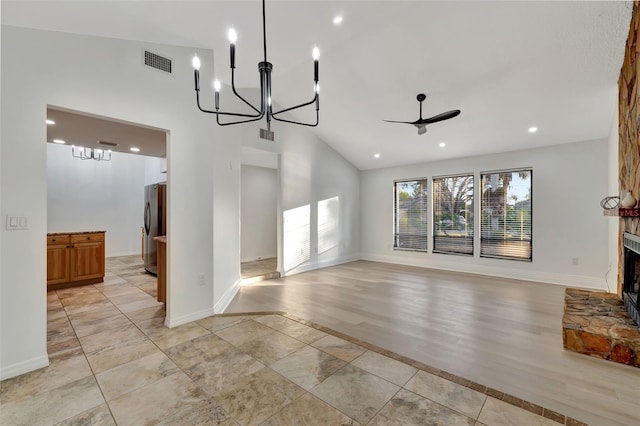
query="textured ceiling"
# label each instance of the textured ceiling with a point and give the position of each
(506, 65)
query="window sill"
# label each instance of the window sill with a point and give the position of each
(408, 249)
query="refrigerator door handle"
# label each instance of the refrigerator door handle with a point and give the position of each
(147, 218)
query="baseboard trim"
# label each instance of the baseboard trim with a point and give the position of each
(319, 264)
(23, 367)
(227, 297)
(174, 322)
(568, 280)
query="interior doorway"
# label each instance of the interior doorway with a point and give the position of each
(259, 189)
(97, 170)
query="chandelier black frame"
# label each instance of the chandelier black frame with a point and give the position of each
(264, 68)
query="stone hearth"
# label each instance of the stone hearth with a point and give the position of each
(598, 324)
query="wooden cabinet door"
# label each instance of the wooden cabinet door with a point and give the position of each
(57, 264)
(87, 261)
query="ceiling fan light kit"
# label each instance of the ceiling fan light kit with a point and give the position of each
(421, 123)
(264, 68)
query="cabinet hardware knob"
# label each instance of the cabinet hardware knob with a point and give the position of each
(88, 238)
(53, 239)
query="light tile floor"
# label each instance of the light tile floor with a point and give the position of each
(112, 361)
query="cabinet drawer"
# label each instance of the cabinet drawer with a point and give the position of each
(58, 239)
(85, 238)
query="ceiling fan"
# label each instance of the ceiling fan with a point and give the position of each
(421, 123)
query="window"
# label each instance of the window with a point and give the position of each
(410, 215)
(453, 214)
(505, 228)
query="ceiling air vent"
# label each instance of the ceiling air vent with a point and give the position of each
(107, 143)
(156, 61)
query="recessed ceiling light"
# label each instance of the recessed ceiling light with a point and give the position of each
(533, 129)
(442, 144)
(58, 141)
(134, 149)
(376, 155)
(50, 121)
(337, 20)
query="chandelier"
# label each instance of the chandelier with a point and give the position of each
(264, 68)
(90, 153)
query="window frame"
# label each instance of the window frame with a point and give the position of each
(395, 234)
(472, 175)
(481, 189)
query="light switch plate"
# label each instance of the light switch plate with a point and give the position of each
(16, 223)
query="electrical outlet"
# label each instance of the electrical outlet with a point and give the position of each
(201, 279)
(575, 261)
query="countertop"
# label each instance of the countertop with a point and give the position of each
(50, 234)
(161, 239)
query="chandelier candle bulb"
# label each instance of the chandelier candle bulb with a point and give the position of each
(216, 88)
(316, 55)
(196, 71)
(233, 36)
(265, 109)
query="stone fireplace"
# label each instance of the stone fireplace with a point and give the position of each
(602, 325)
(631, 278)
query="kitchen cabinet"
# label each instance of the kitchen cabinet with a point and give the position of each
(75, 258)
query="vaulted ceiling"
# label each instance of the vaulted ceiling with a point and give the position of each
(507, 65)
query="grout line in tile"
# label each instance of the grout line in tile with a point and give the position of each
(517, 402)
(546, 413)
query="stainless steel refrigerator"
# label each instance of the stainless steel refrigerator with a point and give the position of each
(155, 223)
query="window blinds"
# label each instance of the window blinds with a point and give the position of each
(453, 214)
(410, 215)
(506, 207)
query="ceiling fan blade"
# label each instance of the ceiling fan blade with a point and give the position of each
(444, 116)
(403, 122)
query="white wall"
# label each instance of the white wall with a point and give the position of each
(104, 77)
(568, 183)
(258, 205)
(310, 173)
(100, 195)
(614, 189)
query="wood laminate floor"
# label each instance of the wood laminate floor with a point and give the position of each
(258, 267)
(502, 333)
